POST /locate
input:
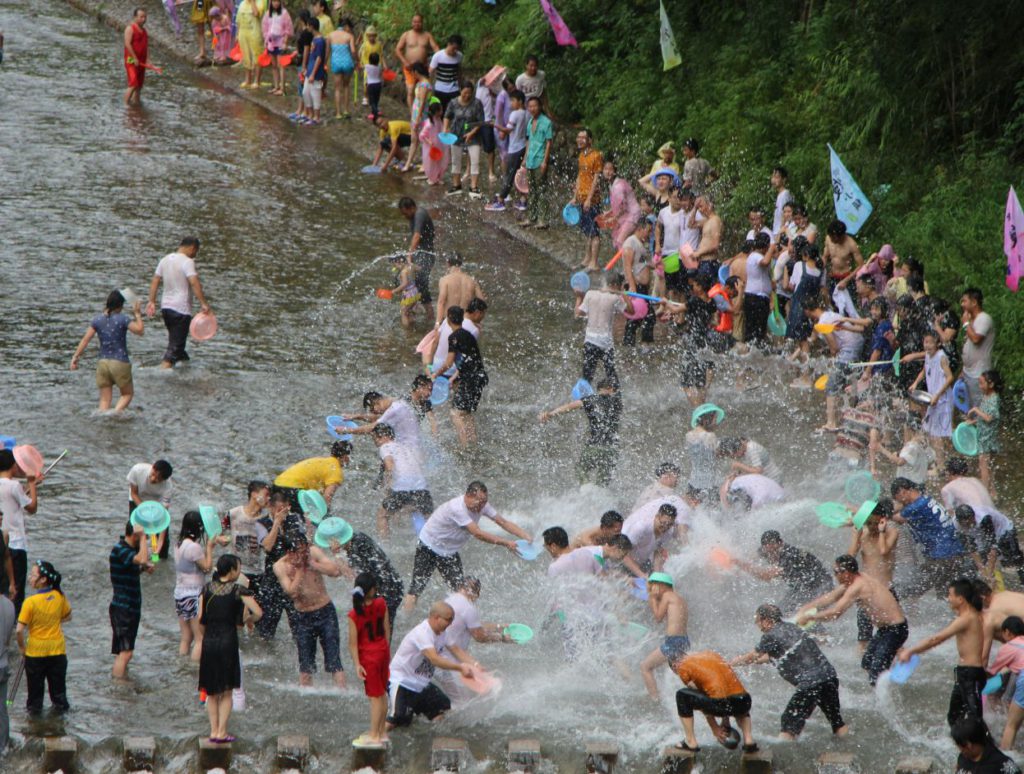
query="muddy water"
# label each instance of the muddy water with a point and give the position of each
(93, 195)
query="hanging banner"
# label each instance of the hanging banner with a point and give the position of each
(852, 206)
(563, 35)
(1013, 229)
(669, 53)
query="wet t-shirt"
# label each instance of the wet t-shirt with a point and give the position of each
(112, 331)
(467, 355)
(797, 657)
(933, 528)
(802, 571)
(699, 314)
(992, 761)
(603, 413)
(364, 555)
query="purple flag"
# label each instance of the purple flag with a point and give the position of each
(563, 35)
(1013, 241)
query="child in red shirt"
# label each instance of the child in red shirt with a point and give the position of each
(369, 635)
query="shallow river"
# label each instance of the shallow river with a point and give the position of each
(93, 195)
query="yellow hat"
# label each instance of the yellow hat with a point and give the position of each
(371, 30)
(665, 148)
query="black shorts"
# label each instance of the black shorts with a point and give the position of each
(676, 281)
(404, 141)
(124, 624)
(467, 393)
(695, 371)
(403, 703)
(486, 135)
(688, 700)
(802, 704)
(419, 499)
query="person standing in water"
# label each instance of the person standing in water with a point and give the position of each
(712, 688)
(113, 366)
(455, 288)
(151, 483)
(15, 504)
(669, 606)
(875, 543)
(41, 618)
(177, 272)
(8, 623)
(136, 56)
(421, 245)
(128, 560)
(470, 378)
(369, 638)
(600, 451)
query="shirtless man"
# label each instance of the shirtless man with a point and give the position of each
(301, 574)
(996, 608)
(968, 628)
(842, 256)
(710, 230)
(415, 45)
(610, 526)
(456, 288)
(876, 544)
(664, 485)
(876, 600)
(668, 606)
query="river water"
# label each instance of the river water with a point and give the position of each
(93, 195)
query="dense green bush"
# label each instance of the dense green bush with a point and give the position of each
(923, 100)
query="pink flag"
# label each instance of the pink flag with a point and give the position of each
(1013, 241)
(563, 35)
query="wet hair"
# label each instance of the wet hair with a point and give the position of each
(455, 315)
(163, 467)
(609, 158)
(811, 303)
(730, 447)
(666, 467)
(614, 280)
(915, 283)
(769, 613)
(278, 496)
(129, 528)
(189, 241)
(981, 588)
(692, 144)
(406, 203)
(6, 459)
(115, 301)
(956, 466)
(225, 564)
(607, 384)
(454, 259)
(901, 483)
(836, 229)
(867, 279)
(704, 281)
(374, 58)
(455, 40)
(668, 510)
(49, 572)
(476, 305)
(970, 730)
(621, 542)
(930, 334)
(370, 398)
(963, 587)
(555, 536)
(382, 431)
(740, 498)
(799, 209)
(517, 94)
(472, 583)
(420, 69)
(995, 379)
(847, 563)
(421, 381)
(1014, 625)
(256, 485)
(341, 449)
(294, 537)
(610, 518)
(532, 58)
(881, 305)
(884, 507)
(974, 294)
(762, 241)
(964, 513)
(364, 583)
(476, 487)
(782, 172)
(191, 527)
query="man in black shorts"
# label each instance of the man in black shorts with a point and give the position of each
(403, 479)
(468, 387)
(802, 572)
(421, 245)
(700, 316)
(128, 560)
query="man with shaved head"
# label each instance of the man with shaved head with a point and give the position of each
(422, 651)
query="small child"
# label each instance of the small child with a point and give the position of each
(303, 39)
(914, 458)
(988, 535)
(220, 22)
(370, 46)
(433, 168)
(408, 292)
(985, 416)
(938, 379)
(315, 70)
(1009, 662)
(369, 635)
(372, 75)
(668, 606)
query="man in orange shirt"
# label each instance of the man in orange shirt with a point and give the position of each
(712, 688)
(587, 195)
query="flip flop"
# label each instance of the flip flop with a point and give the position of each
(686, 748)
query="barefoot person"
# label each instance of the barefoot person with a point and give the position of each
(136, 56)
(415, 45)
(875, 543)
(301, 575)
(113, 366)
(470, 377)
(369, 638)
(969, 675)
(128, 560)
(801, 664)
(712, 688)
(455, 288)
(668, 606)
(177, 272)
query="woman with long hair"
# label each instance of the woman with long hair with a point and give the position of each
(192, 560)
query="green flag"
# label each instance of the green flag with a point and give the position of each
(669, 52)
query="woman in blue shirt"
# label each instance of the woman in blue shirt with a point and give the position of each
(113, 367)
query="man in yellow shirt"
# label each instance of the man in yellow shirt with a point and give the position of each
(46, 661)
(321, 473)
(587, 196)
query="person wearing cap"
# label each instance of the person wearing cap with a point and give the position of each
(669, 606)
(15, 504)
(128, 560)
(404, 482)
(666, 479)
(876, 600)
(934, 530)
(177, 272)
(301, 574)
(701, 444)
(666, 159)
(696, 170)
(609, 526)
(875, 543)
(323, 474)
(113, 366)
(712, 688)
(801, 664)
(601, 449)
(802, 572)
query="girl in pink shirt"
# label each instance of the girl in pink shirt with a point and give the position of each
(1010, 658)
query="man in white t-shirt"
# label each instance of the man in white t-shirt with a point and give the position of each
(780, 179)
(446, 68)
(586, 560)
(749, 457)
(979, 337)
(404, 481)
(422, 651)
(751, 490)
(382, 410)
(15, 504)
(146, 483)
(652, 527)
(177, 271)
(600, 308)
(447, 530)
(533, 83)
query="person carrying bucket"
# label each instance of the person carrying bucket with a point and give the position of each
(600, 451)
(177, 272)
(128, 560)
(669, 606)
(324, 474)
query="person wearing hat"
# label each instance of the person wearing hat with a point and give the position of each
(802, 572)
(370, 44)
(875, 545)
(666, 159)
(301, 574)
(669, 606)
(324, 474)
(113, 366)
(701, 445)
(800, 663)
(696, 170)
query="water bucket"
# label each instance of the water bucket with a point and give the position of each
(203, 326)
(439, 393)
(313, 505)
(447, 138)
(152, 517)
(29, 459)
(861, 486)
(333, 528)
(370, 170)
(863, 513)
(723, 273)
(211, 521)
(571, 214)
(527, 550)
(706, 408)
(670, 263)
(965, 439)
(582, 389)
(833, 515)
(639, 589)
(776, 323)
(264, 60)
(519, 633)
(388, 75)
(435, 153)
(521, 181)
(336, 423)
(7, 442)
(901, 671)
(580, 282)
(639, 312)
(961, 397)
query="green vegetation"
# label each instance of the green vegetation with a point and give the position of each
(923, 100)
